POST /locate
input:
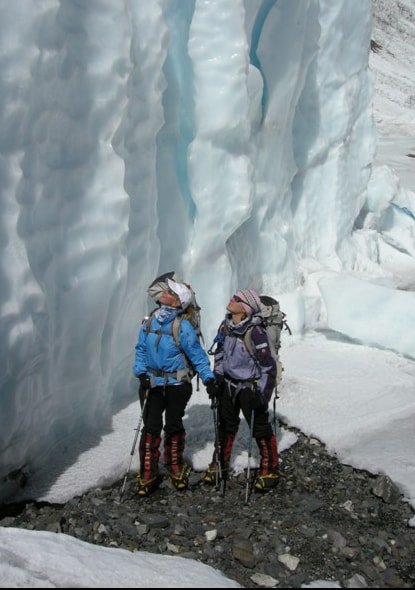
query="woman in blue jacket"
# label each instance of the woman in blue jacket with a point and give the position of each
(167, 355)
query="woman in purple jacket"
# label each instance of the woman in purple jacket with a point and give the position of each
(247, 384)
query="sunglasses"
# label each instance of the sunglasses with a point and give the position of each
(239, 300)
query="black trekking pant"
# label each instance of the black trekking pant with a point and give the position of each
(229, 411)
(172, 400)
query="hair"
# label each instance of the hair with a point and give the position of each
(190, 313)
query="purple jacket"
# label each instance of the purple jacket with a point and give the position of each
(232, 359)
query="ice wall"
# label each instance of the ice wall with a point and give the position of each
(228, 140)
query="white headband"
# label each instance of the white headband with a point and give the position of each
(182, 292)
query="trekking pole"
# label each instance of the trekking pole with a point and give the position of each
(137, 432)
(218, 449)
(248, 472)
(274, 419)
(275, 423)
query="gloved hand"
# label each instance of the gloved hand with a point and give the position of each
(144, 381)
(220, 379)
(212, 388)
(220, 382)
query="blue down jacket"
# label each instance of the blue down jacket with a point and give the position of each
(235, 363)
(157, 354)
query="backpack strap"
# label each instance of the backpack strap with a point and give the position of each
(248, 342)
(219, 339)
(175, 330)
(247, 339)
(181, 375)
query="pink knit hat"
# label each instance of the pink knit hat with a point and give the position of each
(249, 300)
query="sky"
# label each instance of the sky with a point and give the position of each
(87, 226)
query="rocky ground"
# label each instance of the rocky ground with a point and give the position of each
(325, 521)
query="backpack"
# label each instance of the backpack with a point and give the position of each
(273, 320)
(191, 313)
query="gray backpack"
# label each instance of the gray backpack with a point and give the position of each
(273, 320)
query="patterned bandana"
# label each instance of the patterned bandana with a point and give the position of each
(249, 300)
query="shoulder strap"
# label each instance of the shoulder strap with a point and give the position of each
(175, 330)
(248, 341)
(218, 339)
(147, 321)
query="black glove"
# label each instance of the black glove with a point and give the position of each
(220, 379)
(144, 381)
(212, 388)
